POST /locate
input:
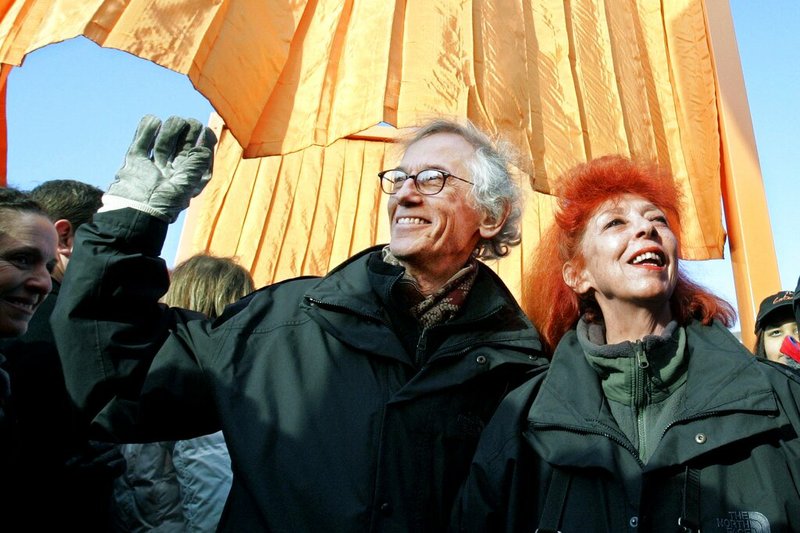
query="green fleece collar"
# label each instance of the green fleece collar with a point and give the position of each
(662, 357)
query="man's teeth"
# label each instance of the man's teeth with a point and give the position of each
(411, 220)
(648, 256)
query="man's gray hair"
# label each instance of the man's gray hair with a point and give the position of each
(494, 189)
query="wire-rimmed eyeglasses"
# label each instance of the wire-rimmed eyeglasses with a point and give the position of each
(428, 182)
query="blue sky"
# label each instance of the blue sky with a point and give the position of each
(72, 109)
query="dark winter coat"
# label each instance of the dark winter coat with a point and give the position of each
(729, 461)
(330, 424)
(53, 478)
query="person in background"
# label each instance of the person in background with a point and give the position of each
(53, 448)
(796, 306)
(776, 330)
(351, 402)
(27, 258)
(183, 485)
(69, 204)
(652, 416)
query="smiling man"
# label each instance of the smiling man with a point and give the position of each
(351, 402)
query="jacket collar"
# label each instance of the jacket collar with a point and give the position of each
(345, 302)
(724, 382)
(618, 364)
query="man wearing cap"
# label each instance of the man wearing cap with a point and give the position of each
(351, 402)
(776, 330)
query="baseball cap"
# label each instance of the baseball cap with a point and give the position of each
(780, 301)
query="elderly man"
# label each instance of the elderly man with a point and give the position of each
(351, 402)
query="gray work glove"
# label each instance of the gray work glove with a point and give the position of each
(165, 167)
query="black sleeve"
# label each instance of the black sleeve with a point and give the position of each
(498, 494)
(133, 366)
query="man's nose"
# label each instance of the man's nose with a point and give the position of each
(407, 191)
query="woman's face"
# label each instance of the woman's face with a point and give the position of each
(27, 256)
(629, 255)
(773, 338)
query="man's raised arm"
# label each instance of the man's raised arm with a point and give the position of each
(117, 343)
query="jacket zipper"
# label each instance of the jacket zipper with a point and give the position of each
(698, 416)
(422, 344)
(640, 395)
(587, 431)
(360, 312)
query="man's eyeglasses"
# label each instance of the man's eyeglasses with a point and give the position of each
(428, 182)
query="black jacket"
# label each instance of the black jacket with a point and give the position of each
(330, 424)
(730, 460)
(53, 478)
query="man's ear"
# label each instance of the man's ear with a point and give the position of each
(66, 236)
(575, 277)
(491, 226)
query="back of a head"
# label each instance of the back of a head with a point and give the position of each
(207, 284)
(70, 200)
(555, 307)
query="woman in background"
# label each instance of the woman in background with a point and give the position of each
(27, 256)
(182, 485)
(776, 330)
(652, 415)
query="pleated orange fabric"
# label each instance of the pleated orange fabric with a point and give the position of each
(296, 214)
(565, 80)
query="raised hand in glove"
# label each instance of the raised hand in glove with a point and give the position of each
(166, 166)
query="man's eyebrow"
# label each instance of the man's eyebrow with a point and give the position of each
(424, 166)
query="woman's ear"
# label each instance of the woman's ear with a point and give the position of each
(576, 277)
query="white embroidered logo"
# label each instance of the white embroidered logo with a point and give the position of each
(743, 522)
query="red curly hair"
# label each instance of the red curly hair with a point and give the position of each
(555, 308)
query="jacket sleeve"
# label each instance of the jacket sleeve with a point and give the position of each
(132, 366)
(498, 487)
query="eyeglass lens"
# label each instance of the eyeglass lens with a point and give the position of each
(427, 182)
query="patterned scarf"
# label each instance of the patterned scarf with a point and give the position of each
(445, 302)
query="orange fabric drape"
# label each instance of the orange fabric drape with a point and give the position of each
(564, 80)
(291, 215)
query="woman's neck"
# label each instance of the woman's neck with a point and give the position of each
(632, 322)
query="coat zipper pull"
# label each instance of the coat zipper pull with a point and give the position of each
(641, 356)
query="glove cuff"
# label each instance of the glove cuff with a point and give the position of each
(112, 203)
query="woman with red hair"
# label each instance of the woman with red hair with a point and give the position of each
(651, 416)
(584, 190)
